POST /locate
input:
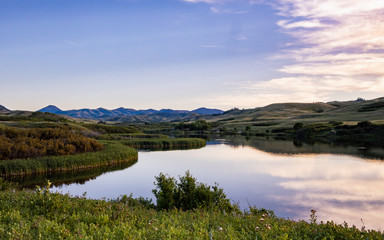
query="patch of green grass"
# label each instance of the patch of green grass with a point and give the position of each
(104, 129)
(125, 136)
(114, 153)
(165, 143)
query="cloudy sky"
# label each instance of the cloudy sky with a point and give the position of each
(185, 54)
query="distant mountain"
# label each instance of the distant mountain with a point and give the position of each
(50, 109)
(207, 111)
(132, 115)
(4, 109)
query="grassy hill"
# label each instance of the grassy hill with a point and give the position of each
(287, 114)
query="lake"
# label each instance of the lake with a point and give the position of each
(342, 183)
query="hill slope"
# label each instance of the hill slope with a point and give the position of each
(287, 114)
(4, 109)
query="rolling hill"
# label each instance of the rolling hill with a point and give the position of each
(287, 114)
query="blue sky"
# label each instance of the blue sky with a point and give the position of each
(186, 54)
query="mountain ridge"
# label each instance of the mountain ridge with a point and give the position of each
(126, 113)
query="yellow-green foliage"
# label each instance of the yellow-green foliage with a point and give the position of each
(113, 153)
(38, 142)
(165, 143)
(44, 215)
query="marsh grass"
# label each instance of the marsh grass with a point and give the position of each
(165, 143)
(114, 153)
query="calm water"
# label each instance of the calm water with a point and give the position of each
(342, 183)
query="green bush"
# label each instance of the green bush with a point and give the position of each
(188, 194)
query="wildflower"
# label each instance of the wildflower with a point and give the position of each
(261, 220)
(257, 228)
(220, 229)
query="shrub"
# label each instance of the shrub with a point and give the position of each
(189, 194)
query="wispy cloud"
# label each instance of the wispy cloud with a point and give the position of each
(338, 47)
(241, 38)
(210, 46)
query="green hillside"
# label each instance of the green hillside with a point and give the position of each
(287, 114)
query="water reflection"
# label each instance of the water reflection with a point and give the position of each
(68, 177)
(292, 147)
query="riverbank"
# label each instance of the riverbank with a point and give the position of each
(40, 214)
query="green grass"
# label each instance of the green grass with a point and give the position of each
(287, 114)
(124, 136)
(44, 215)
(165, 143)
(113, 153)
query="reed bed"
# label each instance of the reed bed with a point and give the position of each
(165, 143)
(113, 153)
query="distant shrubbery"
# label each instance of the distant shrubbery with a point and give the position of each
(199, 125)
(38, 142)
(337, 131)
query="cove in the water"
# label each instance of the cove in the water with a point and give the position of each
(342, 183)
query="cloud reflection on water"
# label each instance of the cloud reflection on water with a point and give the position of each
(341, 188)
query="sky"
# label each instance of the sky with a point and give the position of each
(186, 54)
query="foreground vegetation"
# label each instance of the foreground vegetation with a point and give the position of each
(40, 214)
